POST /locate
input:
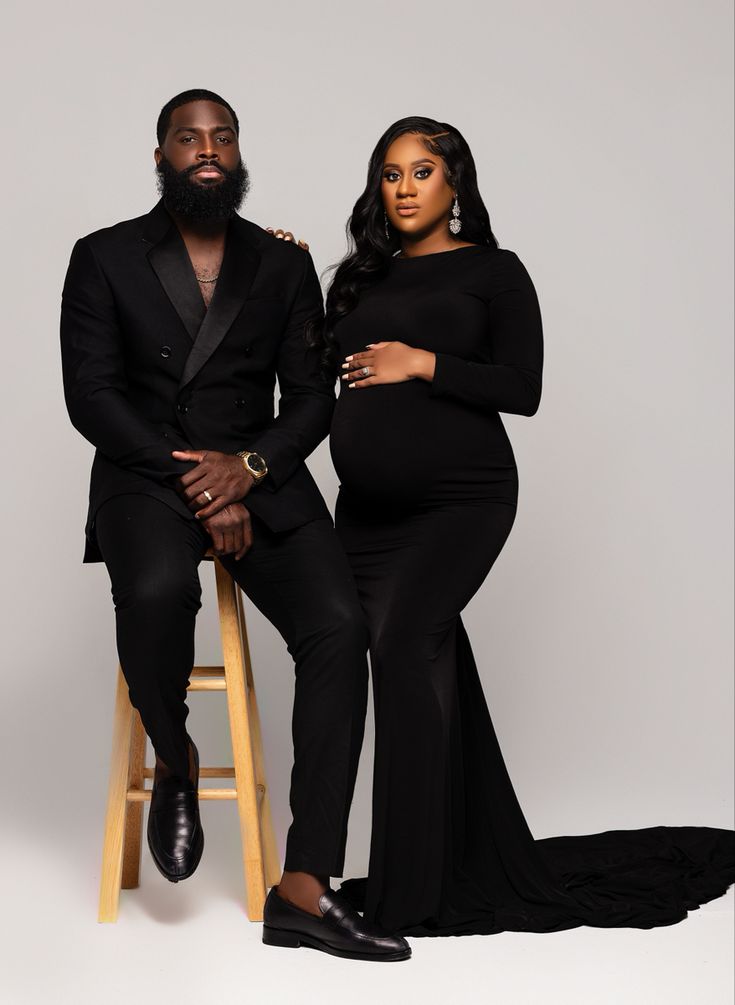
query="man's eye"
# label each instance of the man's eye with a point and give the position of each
(224, 139)
(185, 139)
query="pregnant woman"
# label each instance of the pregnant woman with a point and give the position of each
(437, 330)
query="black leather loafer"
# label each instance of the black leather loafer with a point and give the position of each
(340, 930)
(175, 835)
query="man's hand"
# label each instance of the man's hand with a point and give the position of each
(388, 363)
(216, 481)
(230, 530)
(286, 235)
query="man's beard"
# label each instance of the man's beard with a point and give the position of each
(204, 203)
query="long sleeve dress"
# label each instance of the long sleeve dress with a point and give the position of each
(428, 496)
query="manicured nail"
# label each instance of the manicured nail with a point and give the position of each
(345, 365)
(348, 358)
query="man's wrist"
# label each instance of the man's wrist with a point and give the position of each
(254, 463)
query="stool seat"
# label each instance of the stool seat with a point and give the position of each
(127, 791)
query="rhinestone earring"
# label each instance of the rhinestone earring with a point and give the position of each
(387, 232)
(455, 224)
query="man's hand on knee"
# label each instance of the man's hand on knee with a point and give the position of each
(230, 530)
(216, 481)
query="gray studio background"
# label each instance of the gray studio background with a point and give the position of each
(603, 138)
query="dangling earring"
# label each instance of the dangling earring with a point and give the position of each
(455, 224)
(387, 232)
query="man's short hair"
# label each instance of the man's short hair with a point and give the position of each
(193, 94)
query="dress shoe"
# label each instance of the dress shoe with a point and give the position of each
(175, 835)
(340, 930)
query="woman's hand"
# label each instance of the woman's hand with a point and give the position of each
(388, 363)
(286, 235)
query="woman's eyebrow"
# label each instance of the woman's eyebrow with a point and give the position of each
(421, 160)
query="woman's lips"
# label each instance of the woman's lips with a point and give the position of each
(407, 210)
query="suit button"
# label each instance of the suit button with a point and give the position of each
(247, 351)
(240, 403)
(182, 408)
(165, 351)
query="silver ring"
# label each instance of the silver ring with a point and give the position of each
(207, 495)
(365, 371)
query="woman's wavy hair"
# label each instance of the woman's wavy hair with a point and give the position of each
(370, 250)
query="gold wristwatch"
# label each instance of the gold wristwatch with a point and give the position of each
(254, 464)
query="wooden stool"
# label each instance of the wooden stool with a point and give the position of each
(127, 792)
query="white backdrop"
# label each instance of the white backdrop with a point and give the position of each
(604, 142)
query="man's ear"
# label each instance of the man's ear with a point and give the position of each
(157, 155)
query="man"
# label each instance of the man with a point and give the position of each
(174, 328)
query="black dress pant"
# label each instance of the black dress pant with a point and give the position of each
(301, 582)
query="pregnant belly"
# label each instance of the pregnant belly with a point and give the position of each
(394, 444)
(380, 442)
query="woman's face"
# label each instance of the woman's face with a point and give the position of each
(416, 194)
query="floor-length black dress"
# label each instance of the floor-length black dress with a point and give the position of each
(428, 493)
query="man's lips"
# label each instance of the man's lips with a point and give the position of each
(208, 171)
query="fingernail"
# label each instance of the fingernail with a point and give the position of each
(345, 365)
(348, 358)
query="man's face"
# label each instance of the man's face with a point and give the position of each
(200, 171)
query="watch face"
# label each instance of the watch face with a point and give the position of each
(257, 463)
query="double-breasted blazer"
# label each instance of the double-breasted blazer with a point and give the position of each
(148, 368)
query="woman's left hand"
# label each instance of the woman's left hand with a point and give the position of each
(387, 363)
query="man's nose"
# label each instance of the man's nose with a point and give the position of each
(208, 152)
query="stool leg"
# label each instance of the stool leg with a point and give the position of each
(242, 751)
(270, 849)
(112, 848)
(133, 839)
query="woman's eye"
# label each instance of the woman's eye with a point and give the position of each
(423, 172)
(391, 176)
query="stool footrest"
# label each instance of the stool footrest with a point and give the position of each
(203, 772)
(144, 795)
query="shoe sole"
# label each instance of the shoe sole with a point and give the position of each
(287, 939)
(184, 875)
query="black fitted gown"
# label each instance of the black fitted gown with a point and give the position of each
(428, 494)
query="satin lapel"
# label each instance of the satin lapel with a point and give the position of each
(239, 266)
(170, 261)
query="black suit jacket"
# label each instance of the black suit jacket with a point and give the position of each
(149, 369)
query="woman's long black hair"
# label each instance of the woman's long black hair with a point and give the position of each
(369, 250)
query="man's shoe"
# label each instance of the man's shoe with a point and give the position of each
(175, 835)
(340, 930)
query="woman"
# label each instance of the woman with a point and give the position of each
(437, 331)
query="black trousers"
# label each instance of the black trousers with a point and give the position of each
(301, 582)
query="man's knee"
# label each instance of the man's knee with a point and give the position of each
(159, 590)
